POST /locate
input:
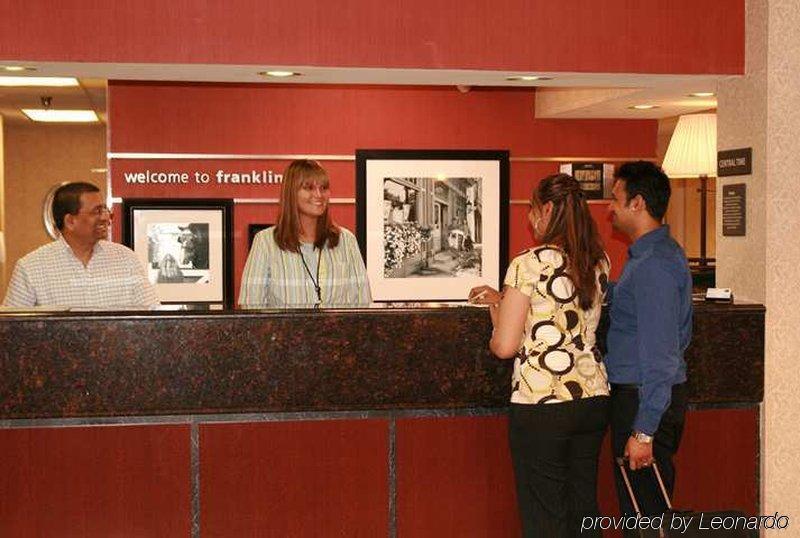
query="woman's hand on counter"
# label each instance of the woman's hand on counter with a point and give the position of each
(484, 295)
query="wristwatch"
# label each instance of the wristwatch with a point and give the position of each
(642, 437)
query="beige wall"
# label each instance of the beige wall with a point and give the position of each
(3, 264)
(761, 111)
(742, 122)
(36, 158)
(782, 406)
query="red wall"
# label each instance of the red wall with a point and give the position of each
(613, 36)
(336, 120)
(239, 118)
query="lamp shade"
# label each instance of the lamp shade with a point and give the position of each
(692, 150)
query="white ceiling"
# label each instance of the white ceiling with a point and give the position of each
(90, 94)
(567, 95)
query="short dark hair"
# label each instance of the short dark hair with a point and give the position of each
(648, 180)
(67, 200)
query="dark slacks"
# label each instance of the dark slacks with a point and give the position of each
(555, 448)
(624, 405)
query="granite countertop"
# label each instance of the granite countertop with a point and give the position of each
(400, 356)
(195, 310)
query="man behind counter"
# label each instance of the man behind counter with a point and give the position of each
(81, 268)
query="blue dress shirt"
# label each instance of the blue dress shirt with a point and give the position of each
(651, 324)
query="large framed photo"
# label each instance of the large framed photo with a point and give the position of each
(432, 224)
(186, 246)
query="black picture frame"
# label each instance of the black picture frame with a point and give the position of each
(252, 229)
(595, 178)
(431, 224)
(590, 177)
(204, 272)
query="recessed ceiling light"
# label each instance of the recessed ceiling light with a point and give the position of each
(527, 78)
(643, 107)
(702, 94)
(61, 116)
(17, 68)
(38, 81)
(279, 74)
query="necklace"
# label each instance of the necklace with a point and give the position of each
(314, 281)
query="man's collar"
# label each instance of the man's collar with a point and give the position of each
(649, 239)
(98, 247)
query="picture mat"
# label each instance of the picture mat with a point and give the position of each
(445, 289)
(213, 291)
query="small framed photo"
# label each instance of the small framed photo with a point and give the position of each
(186, 246)
(432, 224)
(596, 179)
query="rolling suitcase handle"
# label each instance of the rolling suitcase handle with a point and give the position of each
(661, 531)
(624, 471)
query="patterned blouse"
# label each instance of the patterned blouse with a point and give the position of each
(557, 360)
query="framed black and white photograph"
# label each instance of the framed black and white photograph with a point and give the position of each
(432, 224)
(185, 245)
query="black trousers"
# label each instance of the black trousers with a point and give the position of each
(624, 405)
(555, 448)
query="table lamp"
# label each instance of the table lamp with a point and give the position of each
(692, 152)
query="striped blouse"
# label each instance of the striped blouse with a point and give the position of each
(275, 277)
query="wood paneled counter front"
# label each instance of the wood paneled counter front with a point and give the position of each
(384, 421)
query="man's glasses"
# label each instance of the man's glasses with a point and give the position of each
(99, 211)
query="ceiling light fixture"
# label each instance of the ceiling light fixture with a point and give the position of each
(643, 107)
(279, 74)
(61, 116)
(38, 81)
(17, 68)
(527, 78)
(702, 94)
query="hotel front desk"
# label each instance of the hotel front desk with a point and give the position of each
(383, 421)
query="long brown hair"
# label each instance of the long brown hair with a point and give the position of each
(287, 231)
(572, 228)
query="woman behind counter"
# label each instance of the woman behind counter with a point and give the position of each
(546, 319)
(306, 259)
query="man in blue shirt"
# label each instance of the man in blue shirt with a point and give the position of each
(651, 326)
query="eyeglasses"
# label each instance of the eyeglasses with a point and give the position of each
(99, 211)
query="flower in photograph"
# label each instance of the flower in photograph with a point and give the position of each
(400, 241)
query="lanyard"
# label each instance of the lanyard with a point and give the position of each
(314, 281)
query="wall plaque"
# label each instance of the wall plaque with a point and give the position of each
(596, 179)
(734, 209)
(735, 162)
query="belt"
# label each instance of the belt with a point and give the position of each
(635, 386)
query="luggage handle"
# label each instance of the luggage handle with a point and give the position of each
(623, 469)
